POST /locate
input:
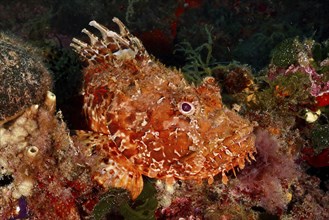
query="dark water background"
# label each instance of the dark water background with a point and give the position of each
(245, 31)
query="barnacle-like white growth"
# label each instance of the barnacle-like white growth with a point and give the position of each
(3, 166)
(311, 116)
(50, 101)
(32, 151)
(20, 129)
(24, 188)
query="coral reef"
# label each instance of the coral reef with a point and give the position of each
(269, 59)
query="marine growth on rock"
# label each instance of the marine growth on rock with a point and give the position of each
(24, 79)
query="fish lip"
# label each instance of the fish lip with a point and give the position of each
(244, 138)
(250, 134)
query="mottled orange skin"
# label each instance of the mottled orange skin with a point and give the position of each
(138, 127)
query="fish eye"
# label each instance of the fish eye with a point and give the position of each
(186, 108)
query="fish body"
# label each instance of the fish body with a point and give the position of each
(146, 119)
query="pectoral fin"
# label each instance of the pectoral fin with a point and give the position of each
(109, 167)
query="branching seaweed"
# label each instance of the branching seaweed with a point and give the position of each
(197, 67)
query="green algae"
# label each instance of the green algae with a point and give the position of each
(200, 62)
(144, 206)
(320, 137)
(286, 53)
(116, 203)
(286, 94)
(109, 203)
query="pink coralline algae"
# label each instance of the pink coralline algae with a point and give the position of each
(319, 87)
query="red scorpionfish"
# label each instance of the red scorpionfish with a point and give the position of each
(146, 119)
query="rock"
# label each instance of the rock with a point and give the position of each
(24, 81)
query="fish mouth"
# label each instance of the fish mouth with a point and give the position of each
(246, 137)
(240, 136)
(238, 129)
(249, 136)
